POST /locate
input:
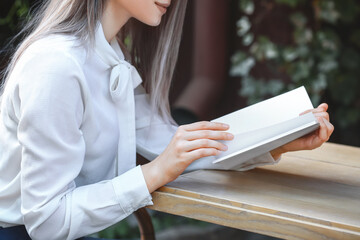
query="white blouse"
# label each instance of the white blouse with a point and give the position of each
(67, 152)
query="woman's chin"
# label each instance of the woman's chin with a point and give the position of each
(151, 21)
(154, 22)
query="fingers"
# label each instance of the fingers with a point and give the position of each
(321, 108)
(202, 152)
(307, 111)
(323, 132)
(326, 128)
(204, 125)
(315, 110)
(189, 143)
(324, 115)
(330, 128)
(204, 143)
(200, 137)
(208, 134)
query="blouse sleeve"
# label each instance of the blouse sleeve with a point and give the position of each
(153, 135)
(52, 96)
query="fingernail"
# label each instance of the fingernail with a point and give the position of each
(225, 125)
(224, 148)
(230, 136)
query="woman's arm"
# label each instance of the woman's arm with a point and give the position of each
(172, 148)
(199, 140)
(190, 142)
(154, 136)
(172, 160)
(52, 95)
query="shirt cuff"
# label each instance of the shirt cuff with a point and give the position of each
(131, 190)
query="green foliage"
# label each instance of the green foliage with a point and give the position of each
(163, 221)
(120, 230)
(129, 229)
(323, 55)
(18, 10)
(290, 3)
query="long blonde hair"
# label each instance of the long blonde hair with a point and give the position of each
(153, 50)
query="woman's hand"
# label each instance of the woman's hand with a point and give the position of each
(312, 140)
(190, 142)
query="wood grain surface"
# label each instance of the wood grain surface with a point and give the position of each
(308, 195)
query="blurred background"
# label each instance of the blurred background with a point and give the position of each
(238, 52)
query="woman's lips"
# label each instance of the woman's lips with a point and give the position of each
(162, 7)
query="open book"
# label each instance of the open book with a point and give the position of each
(265, 126)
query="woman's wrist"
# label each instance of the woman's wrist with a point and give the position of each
(153, 177)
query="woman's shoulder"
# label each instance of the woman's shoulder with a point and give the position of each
(58, 47)
(50, 61)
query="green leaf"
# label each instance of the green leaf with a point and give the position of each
(298, 20)
(243, 25)
(248, 39)
(319, 84)
(327, 66)
(247, 6)
(290, 54)
(264, 49)
(328, 12)
(290, 3)
(303, 50)
(303, 35)
(275, 87)
(301, 71)
(238, 57)
(328, 40)
(242, 68)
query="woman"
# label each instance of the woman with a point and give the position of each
(74, 111)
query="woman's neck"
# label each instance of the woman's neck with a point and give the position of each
(113, 19)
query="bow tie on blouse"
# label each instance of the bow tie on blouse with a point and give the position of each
(124, 78)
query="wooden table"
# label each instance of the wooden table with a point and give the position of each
(308, 195)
